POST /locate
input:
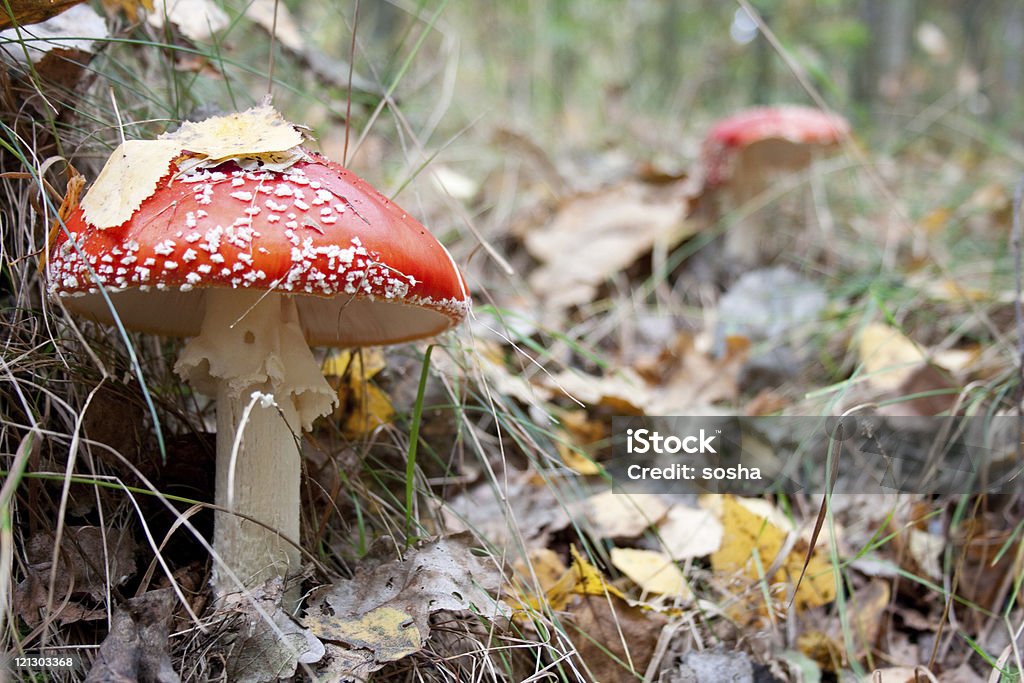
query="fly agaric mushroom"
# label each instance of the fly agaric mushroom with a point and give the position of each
(254, 263)
(743, 152)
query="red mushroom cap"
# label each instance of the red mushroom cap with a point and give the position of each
(793, 123)
(368, 272)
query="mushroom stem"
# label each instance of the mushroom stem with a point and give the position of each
(260, 480)
(253, 343)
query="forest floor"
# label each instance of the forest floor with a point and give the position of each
(615, 289)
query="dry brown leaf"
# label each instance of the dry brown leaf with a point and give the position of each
(928, 390)
(262, 650)
(526, 510)
(72, 196)
(615, 641)
(87, 554)
(654, 572)
(699, 381)
(767, 402)
(25, 12)
(688, 533)
(989, 551)
(135, 648)
(622, 515)
(595, 236)
(866, 616)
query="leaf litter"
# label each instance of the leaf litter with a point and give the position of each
(385, 608)
(261, 650)
(740, 539)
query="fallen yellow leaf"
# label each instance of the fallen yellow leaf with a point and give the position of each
(578, 435)
(582, 578)
(752, 542)
(364, 363)
(370, 409)
(362, 406)
(588, 579)
(390, 633)
(652, 571)
(541, 580)
(887, 356)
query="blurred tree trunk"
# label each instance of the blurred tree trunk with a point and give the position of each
(1007, 92)
(972, 24)
(881, 70)
(763, 82)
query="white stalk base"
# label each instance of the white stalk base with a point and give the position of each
(262, 481)
(252, 342)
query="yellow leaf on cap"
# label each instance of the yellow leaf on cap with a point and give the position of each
(129, 177)
(260, 130)
(132, 172)
(653, 571)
